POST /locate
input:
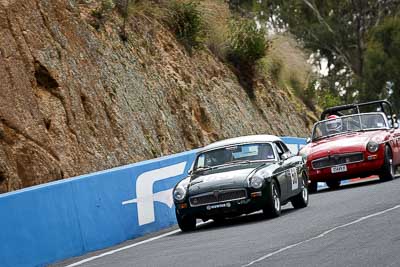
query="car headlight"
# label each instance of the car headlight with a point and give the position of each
(179, 193)
(372, 146)
(256, 182)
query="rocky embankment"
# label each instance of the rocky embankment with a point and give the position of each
(74, 99)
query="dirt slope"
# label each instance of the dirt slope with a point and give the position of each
(75, 100)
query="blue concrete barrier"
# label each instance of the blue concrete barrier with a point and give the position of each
(47, 223)
(294, 143)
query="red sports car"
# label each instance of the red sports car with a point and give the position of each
(350, 141)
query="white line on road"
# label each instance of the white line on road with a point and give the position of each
(320, 235)
(123, 248)
(128, 247)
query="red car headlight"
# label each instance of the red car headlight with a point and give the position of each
(372, 146)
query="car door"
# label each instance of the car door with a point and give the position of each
(292, 167)
(396, 146)
(282, 170)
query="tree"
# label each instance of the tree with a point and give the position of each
(382, 62)
(334, 30)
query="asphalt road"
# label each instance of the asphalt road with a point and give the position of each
(357, 225)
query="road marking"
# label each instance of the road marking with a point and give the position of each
(320, 235)
(128, 247)
(123, 248)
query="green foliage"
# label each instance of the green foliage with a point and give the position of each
(333, 30)
(382, 62)
(246, 45)
(328, 99)
(247, 42)
(187, 23)
(307, 95)
(272, 67)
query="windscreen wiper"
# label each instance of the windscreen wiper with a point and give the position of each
(222, 165)
(237, 162)
(201, 169)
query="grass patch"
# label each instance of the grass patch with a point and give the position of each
(186, 22)
(286, 64)
(216, 17)
(247, 45)
(271, 67)
(247, 42)
(306, 92)
(153, 9)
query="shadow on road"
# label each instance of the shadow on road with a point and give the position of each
(237, 221)
(360, 183)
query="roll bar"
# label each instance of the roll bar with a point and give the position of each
(385, 106)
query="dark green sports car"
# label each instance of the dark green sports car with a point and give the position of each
(239, 176)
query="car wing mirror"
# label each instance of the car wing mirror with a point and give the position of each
(285, 156)
(308, 140)
(395, 121)
(190, 172)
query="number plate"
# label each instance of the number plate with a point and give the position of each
(341, 168)
(217, 206)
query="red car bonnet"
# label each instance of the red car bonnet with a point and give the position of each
(344, 143)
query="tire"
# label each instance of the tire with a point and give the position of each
(333, 184)
(273, 206)
(301, 199)
(388, 170)
(312, 187)
(186, 223)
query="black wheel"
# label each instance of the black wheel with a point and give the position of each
(273, 207)
(312, 187)
(388, 170)
(333, 184)
(186, 223)
(301, 199)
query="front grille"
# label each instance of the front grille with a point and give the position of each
(337, 159)
(217, 196)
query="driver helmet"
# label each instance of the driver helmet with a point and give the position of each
(334, 124)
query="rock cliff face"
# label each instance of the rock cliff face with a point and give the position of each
(75, 100)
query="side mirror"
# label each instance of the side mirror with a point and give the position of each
(286, 155)
(308, 140)
(395, 121)
(190, 172)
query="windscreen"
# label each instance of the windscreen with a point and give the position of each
(237, 153)
(351, 123)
